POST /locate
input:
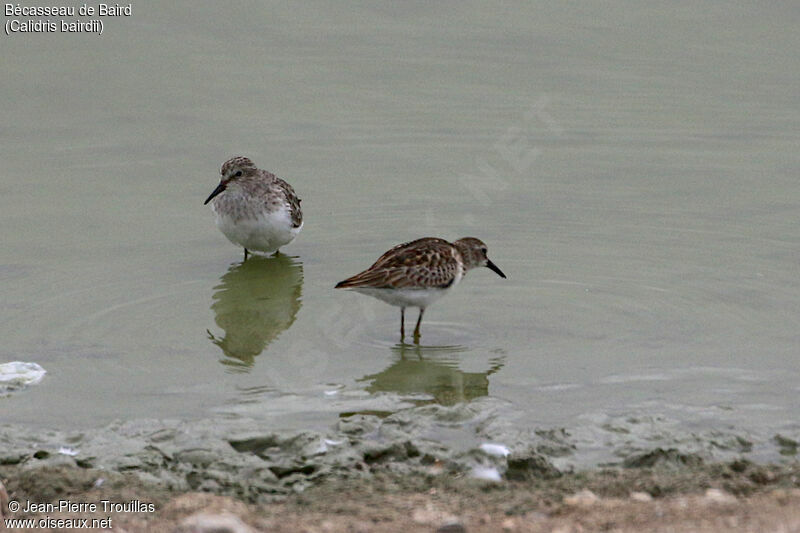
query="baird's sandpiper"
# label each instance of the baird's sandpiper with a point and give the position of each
(255, 209)
(417, 273)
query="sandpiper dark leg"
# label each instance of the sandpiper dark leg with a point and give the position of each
(419, 321)
(402, 324)
(246, 253)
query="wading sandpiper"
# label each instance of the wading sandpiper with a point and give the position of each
(255, 209)
(417, 273)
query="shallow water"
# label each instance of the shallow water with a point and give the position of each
(632, 168)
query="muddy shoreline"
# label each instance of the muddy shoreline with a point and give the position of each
(394, 477)
(735, 496)
(248, 459)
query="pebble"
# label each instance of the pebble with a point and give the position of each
(641, 497)
(509, 524)
(486, 473)
(327, 526)
(577, 528)
(210, 523)
(718, 496)
(452, 527)
(584, 498)
(497, 450)
(432, 516)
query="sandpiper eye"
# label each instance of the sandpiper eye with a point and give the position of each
(238, 173)
(484, 250)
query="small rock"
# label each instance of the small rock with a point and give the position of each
(51, 461)
(779, 494)
(641, 497)
(432, 516)
(762, 477)
(509, 525)
(497, 450)
(423, 516)
(364, 527)
(718, 496)
(528, 466)
(584, 498)
(535, 516)
(486, 473)
(208, 523)
(660, 456)
(577, 528)
(452, 527)
(197, 457)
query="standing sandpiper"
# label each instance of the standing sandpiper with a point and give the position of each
(255, 209)
(417, 273)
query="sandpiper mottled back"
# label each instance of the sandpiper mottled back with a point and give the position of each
(255, 209)
(417, 273)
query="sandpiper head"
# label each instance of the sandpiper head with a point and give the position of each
(232, 170)
(473, 251)
(236, 167)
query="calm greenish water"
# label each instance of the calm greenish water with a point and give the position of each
(632, 166)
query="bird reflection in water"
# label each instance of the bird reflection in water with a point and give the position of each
(432, 370)
(254, 303)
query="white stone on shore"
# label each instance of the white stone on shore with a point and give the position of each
(719, 497)
(486, 473)
(17, 374)
(497, 450)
